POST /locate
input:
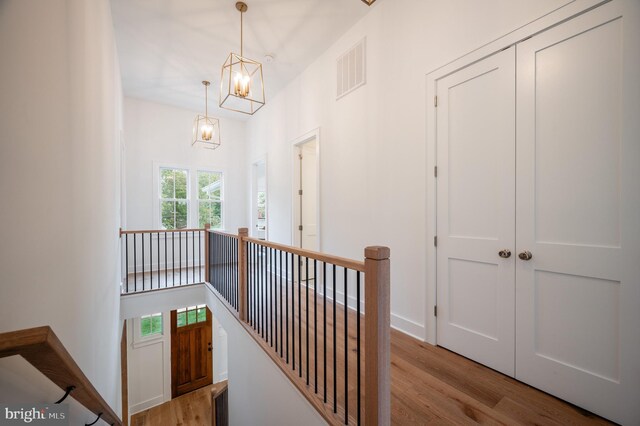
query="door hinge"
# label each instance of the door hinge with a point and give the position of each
(435, 310)
(299, 227)
(435, 241)
(299, 191)
(435, 101)
(435, 171)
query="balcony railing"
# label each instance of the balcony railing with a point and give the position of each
(325, 320)
(155, 259)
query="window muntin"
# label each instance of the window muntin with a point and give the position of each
(191, 315)
(174, 198)
(209, 198)
(151, 325)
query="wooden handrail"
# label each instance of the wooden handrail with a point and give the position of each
(161, 231)
(41, 348)
(226, 234)
(322, 257)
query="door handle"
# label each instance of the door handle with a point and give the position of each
(505, 254)
(525, 255)
(209, 348)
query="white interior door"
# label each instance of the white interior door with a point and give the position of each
(309, 196)
(578, 156)
(476, 203)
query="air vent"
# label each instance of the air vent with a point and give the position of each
(351, 69)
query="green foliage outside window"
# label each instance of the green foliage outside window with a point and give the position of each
(150, 325)
(191, 315)
(210, 199)
(174, 210)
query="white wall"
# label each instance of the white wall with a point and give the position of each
(372, 141)
(59, 167)
(149, 366)
(259, 393)
(162, 134)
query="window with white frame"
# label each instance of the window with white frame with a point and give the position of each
(150, 325)
(209, 199)
(174, 198)
(188, 197)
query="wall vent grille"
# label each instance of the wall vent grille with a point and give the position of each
(351, 69)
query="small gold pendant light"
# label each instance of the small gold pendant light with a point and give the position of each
(242, 82)
(206, 130)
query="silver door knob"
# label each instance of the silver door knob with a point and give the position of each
(505, 254)
(525, 255)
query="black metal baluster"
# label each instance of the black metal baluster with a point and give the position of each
(346, 351)
(274, 310)
(200, 236)
(193, 255)
(281, 335)
(306, 306)
(335, 375)
(261, 293)
(166, 264)
(250, 282)
(126, 261)
(180, 256)
(293, 311)
(151, 260)
(158, 259)
(315, 324)
(135, 264)
(142, 235)
(173, 258)
(324, 328)
(358, 341)
(300, 315)
(271, 295)
(286, 301)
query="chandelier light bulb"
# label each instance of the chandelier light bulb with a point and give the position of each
(242, 85)
(206, 132)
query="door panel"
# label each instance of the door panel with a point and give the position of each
(577, 213)
(476, 190)
(191, 359)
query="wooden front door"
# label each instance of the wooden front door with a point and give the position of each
(191, 360)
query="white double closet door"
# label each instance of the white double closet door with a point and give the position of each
(538, 153)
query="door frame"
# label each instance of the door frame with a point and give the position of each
(565, 12)
(254, 192)
(174, 348)
(307, 137)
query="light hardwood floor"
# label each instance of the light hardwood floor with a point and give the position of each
(193, 409)
(429, 385)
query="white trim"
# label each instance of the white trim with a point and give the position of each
(307, 137)
(253, 193)
(192, 195)
(409, 327)
(561, 14)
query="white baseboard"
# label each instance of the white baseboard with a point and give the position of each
(144, 405)
(413, 329)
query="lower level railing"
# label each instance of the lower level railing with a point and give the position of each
(155, 259)
(323, 318)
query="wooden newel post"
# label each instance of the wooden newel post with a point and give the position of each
(242, 274)
(377, 336)
(207, 266)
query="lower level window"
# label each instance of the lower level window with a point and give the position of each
(151, 325)
(191, 315)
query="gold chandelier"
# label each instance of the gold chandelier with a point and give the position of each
(242, 83)
(206, 130)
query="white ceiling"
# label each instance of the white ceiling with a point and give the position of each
(167, 47)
